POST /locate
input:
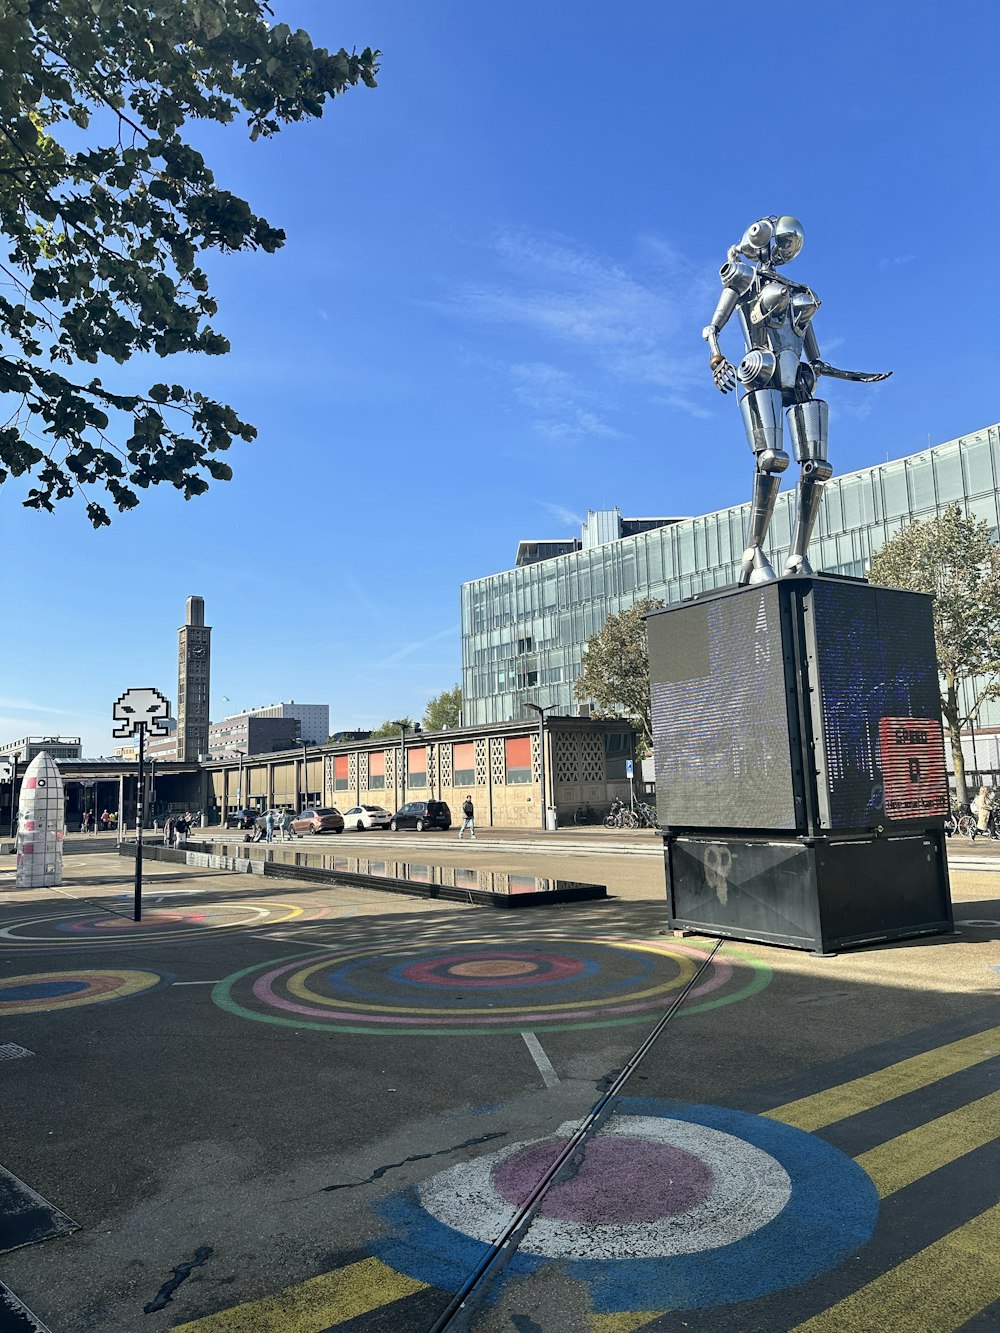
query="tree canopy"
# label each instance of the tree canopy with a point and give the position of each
(389, 728)
(105, 209)
(444, 710)
(954, 558)
(615, 675)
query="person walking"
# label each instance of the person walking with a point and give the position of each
(468, 818)
(269, 826)
(984, 809)
(285, 826)
(180, 831)
(168, 831)
(105, 821)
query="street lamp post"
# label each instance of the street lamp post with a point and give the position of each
(402, 725)
(305, 778)
(541, 710)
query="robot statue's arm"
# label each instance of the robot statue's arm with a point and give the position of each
(737, 277)
(821, 367)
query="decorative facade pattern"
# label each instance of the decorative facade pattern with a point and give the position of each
(498, 762)
(446, 754)
(482, 767)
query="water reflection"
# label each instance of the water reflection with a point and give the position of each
(463, 878)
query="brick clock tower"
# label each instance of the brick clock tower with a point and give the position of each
(194, 654)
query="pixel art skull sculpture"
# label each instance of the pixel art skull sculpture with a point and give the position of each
(141, 708)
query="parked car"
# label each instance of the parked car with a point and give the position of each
(327, 819)
(421, 815)
(241, 819)
(366, 816)
(260, 819)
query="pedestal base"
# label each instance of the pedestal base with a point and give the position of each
(823, 895)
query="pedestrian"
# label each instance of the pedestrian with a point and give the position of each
(180, 830)
(984, 809)
(168, 831)
(105, 821)
(285, 825)
(468, 818)
(83, 822)
(269, 826)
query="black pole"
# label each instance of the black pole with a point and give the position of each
(137, 914)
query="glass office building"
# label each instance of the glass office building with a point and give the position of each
(524, 631)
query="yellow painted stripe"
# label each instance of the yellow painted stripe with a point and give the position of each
(861, 1094)
(622, 1323)
(935, 1291)
(311, 1307)
(911, 1156)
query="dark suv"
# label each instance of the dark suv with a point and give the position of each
(421, 815)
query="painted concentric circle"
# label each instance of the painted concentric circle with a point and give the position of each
(670, 1206)
(546, 984)
(46, 992)
(158, 924)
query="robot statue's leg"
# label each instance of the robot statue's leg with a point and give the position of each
(761, 410)
(808, 425)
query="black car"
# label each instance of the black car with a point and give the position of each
(421, 815)
(241, 818)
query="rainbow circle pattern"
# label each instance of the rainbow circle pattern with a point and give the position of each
(670, 1207)
(47, 992)
(158, 924)
(478, 986)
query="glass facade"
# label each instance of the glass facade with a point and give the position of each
(524, 630)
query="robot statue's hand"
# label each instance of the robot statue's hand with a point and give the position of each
(724, 374)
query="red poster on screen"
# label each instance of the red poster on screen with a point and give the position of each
(913, 771)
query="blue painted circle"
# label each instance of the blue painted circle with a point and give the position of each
(830, 1214)
(42, 990)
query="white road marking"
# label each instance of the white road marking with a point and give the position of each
(549, 1076)
(196, 983)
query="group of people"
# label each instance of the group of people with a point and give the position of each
(176, 829)
(108, 821)
(275, 821)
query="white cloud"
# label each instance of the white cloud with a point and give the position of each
(561, 514)
(617, 326)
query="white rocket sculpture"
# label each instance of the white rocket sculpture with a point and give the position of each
(41, 823)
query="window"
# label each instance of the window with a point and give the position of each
(340, 773)
(518, 756)
(524, 645)
(464, 764)
(416, 766)
(617, 749)
(376, 770)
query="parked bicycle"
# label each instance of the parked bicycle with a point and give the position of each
(646, 815)
(585, 814)
(620, 816)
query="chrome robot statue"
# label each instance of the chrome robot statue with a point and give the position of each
(778, 373)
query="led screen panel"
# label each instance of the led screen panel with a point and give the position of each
(720, 714)
(876, 706)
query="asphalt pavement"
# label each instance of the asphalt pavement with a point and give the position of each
(271, 1107)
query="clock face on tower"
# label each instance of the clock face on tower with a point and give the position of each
(198, 650)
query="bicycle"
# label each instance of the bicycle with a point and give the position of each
(620, 816)
(646, 815)
(584, 814)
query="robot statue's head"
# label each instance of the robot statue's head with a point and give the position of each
(788, 238)
(775, 240)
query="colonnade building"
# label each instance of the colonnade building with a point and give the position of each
(524, 630)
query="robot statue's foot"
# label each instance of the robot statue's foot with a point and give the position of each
(755, 568)
(797, 566)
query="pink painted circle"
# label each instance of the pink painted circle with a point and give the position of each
(620, 1180)
(495, 968)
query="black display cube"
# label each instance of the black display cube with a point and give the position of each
(800, 774)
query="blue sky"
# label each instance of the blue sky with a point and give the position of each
(487, 320)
